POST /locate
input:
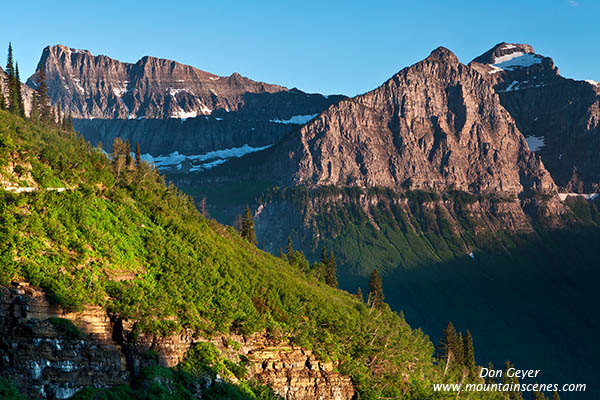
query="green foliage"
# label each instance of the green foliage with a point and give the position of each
(247, 228)
(376, 296)
(122, 239)
(66, 327)
(8, 391)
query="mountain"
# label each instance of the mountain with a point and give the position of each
(436, 125)
(113, 285)
(169, 107)
(429, 179)
(560, 117)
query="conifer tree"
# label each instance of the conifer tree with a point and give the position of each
(34, 114)
(459, 351)
(69, 123)
(289, 250)
(331, 271)
(359, 295)
(19, 92)
(324, 256)
(469, 353)
(488, 379)
(45, 110)
(138, 161)
(450, 349)
(555, 396)
(120, 151)
(13, 99)
(376, 296)
(248, 231)
(511, 380)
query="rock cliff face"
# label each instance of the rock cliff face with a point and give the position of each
(51, 353)
(436, 125)
(143, 101)
(560, 117)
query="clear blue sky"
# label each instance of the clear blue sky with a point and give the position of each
(325, 46)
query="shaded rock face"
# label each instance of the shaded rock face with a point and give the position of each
(559, 116)
(48, 357)
(144, 103)
(436, 125)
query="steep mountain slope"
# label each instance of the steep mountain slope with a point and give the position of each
(429, 179)
(119, 274)
(559, 116)
(142, 101)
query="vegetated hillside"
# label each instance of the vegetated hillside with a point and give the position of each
(120, 238)
(429, 179)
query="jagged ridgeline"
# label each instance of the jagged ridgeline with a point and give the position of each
(110, 238)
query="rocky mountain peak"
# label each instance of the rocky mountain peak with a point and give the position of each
(442, 54)
(519, 58)
(502, 50)
(101, 87)
(436, 125)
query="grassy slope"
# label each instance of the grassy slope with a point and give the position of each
(182, 270)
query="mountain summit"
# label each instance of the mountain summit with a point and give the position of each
(559, 117)
(436, 125)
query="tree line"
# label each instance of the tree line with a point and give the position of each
(12, 100)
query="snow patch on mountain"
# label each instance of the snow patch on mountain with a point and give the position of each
(199, 162)
(535, 143)
(518, 59)
(296, 119)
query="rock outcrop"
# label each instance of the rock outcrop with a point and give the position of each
(51, 353)
(47, 356)
(559, 117)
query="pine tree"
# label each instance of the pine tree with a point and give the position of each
(289, 250)
(138, 161)
(448, 349)
(69, 124)
(511, 380)
(488, 379)
(469, 354)
(376, 296)
(248, 231)
(11, 81)
(331, 271)
(19, 91)
(459, 350)
(45, 110)
(324, 256)
(34, 114)
(359, 295)
(120, 151)
(555, 396)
